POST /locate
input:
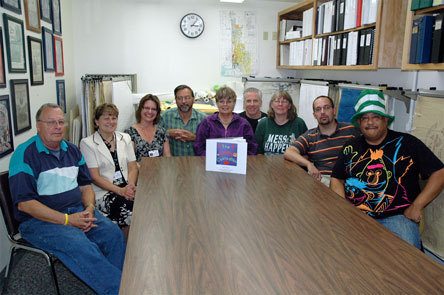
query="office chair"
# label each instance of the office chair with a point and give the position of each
(17, 242)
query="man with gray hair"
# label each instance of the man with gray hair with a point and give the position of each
(55, 205)
(252, 107)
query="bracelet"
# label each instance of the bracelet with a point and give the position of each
(66, 219)
(90, 204)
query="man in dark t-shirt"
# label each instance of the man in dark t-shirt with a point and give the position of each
(379, 171)
(252, 107)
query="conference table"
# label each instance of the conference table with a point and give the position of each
(275, 230)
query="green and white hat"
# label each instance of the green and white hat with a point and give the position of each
(370, 101)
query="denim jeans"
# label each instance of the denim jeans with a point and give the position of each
(96, 257)
(404, 228)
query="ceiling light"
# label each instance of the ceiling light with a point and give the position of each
(232, 1)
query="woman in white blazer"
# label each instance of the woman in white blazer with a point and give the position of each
(109, 155)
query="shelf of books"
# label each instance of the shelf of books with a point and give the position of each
(424, 36)
(341, 35)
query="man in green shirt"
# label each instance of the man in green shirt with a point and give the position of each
(181, 122)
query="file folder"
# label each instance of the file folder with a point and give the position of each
(438, 40)
(425, 33)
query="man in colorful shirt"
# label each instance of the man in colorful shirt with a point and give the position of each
(318, 148)
(181, 122)
(54, 204)
(378, 172)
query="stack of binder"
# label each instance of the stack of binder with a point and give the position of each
(438, 40)
(340, 15)
(421, 40)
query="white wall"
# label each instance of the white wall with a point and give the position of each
(144, 38)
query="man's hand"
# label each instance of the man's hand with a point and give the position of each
(181, 135)
(83, 220)
(413, 213)
(313, 171)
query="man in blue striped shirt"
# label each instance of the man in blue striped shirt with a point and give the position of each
(54, 204)
(181, 122)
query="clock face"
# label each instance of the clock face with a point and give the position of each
(192, 25)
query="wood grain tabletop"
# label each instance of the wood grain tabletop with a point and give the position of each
(275, 230)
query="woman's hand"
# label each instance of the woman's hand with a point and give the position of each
(128, 192)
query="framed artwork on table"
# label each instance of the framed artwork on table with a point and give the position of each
(20, 105)
(58, 56)
(45, 10)
(15, 44)
(2, 62)
(48, 49)
(12, 5)
(32, 15)
(61, 100)
(56, 18)
(35, 60)
(6, 138)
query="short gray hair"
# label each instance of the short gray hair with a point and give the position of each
(45, 106)
(253, 90)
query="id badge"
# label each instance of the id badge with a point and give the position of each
(154, 153)
(117, 175)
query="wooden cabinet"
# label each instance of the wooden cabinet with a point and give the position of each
(388, 35)
(411, 15)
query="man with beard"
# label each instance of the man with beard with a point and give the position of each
(378, 172)
(318, 148)
(252, 107)
(181, 122)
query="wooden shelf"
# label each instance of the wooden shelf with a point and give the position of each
(388, 40)
(406, 65)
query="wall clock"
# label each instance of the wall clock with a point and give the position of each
(192, 25)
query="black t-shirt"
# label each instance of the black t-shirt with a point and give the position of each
(383, 180)
(253, 122)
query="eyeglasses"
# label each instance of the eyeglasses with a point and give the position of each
(188, 97)
(366, 118)
(281, 101)
(325, 108)
(225, 101)
(54, 123)
(149, 109)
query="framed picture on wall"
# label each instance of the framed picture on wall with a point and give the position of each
(20, 105)
(2, 62)
(15, 44)
(32, 15)
(48, 49)
(61, 100)
(12, 5)
(56, 18)
(35, 60)
(58, 56)
(6, 138)
(45, 10)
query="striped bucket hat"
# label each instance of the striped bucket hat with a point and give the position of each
(370, 101)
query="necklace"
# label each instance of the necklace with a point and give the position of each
(107, 142)
(226, 122)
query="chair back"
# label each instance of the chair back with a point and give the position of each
(7, 205)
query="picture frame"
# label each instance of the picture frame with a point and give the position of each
(35, 60)
(15, 44)
(56, 17)
(2, 62)
(48, 49)
(21, 111)
(32, 15)
(6, 137)
(12, 5)
(61, 98)
(58, 56)
(45, 11)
